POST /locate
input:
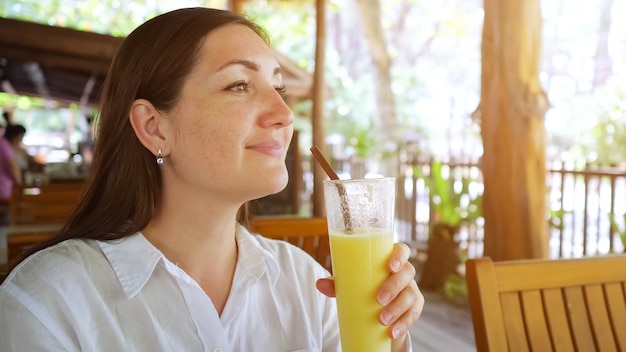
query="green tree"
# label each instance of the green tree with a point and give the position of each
(112, 17)
(608, 140)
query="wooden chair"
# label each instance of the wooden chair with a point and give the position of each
(310, 234)
(549, 305)
(43, 205)
(37, 212)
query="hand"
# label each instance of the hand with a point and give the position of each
(399, 295)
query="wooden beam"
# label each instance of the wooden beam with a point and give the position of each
(90, 55)
(317, 119)
(84, 99)
(39, 80)
(512, 110)
(297, 80)
(55, 60)
(56, 47)
(8, 87)
(236, 6)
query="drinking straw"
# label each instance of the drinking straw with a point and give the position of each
(317, 154)
(343, 197)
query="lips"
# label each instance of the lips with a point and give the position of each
(271, 148)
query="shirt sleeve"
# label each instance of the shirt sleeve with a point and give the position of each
(20, 330)
(409, 345)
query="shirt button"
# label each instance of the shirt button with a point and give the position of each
(217, 349)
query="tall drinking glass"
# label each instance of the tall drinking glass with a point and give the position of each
(360, 214)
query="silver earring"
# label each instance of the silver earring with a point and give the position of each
(159, 159)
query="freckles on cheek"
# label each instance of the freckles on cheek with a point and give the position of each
(210, 134)
(211, 145)
(197, 129)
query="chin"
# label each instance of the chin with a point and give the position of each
(268, 185)
(279, 184)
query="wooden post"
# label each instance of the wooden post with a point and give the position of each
(236, 6)
(512, 110)
(317, 118)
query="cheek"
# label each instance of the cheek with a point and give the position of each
(288, 134)
(212, 142)
(193, 136)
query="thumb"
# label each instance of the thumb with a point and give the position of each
(326, 286)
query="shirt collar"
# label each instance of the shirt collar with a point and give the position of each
(134, 259)
(132, 269)
(254, 259)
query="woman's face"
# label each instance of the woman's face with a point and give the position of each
(231, 127)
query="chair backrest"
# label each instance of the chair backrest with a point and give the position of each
(549, 305)
(310, 234)
(43, 205)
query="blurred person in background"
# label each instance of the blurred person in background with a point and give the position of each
(10, 168)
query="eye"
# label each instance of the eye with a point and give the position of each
(282, 90)
(238, 86)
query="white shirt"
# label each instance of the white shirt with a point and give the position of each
(86, 295)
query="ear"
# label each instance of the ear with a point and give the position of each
(148, 125)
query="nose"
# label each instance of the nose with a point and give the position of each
(276, 112)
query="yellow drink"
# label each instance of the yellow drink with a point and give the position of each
(359, 267)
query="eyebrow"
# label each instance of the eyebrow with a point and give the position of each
(249, 64)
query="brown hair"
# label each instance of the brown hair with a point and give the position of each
(152, 63)
(11, 131)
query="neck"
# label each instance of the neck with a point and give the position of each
(204, 247)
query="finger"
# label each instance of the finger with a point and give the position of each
(404, 311)
(402, 325)
(326, 286)
(399, 256)
(406, 301)
(395, 283)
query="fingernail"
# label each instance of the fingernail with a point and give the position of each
(385, 318)
(397, 331)
(383, 298)
(395, 265)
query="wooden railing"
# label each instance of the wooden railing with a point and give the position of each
(583, 203)
(415, 213)
(587, 205)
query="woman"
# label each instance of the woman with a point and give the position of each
(192, 126)
(10, 169)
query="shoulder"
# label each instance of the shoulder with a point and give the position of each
(52, 268)
(5, 147)
(65, 252)
(51, 292)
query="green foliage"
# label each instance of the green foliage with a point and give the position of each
(351, 104)
(593, 128)
(363, 141)
(620, 231)
(20, 102)
(421, 85)
(50, 120)
(452, 203)
(556, 218)
(434, 48)
(455, 289)
(451, 200)
(610, 133)
(290, 26)
(111, 17)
